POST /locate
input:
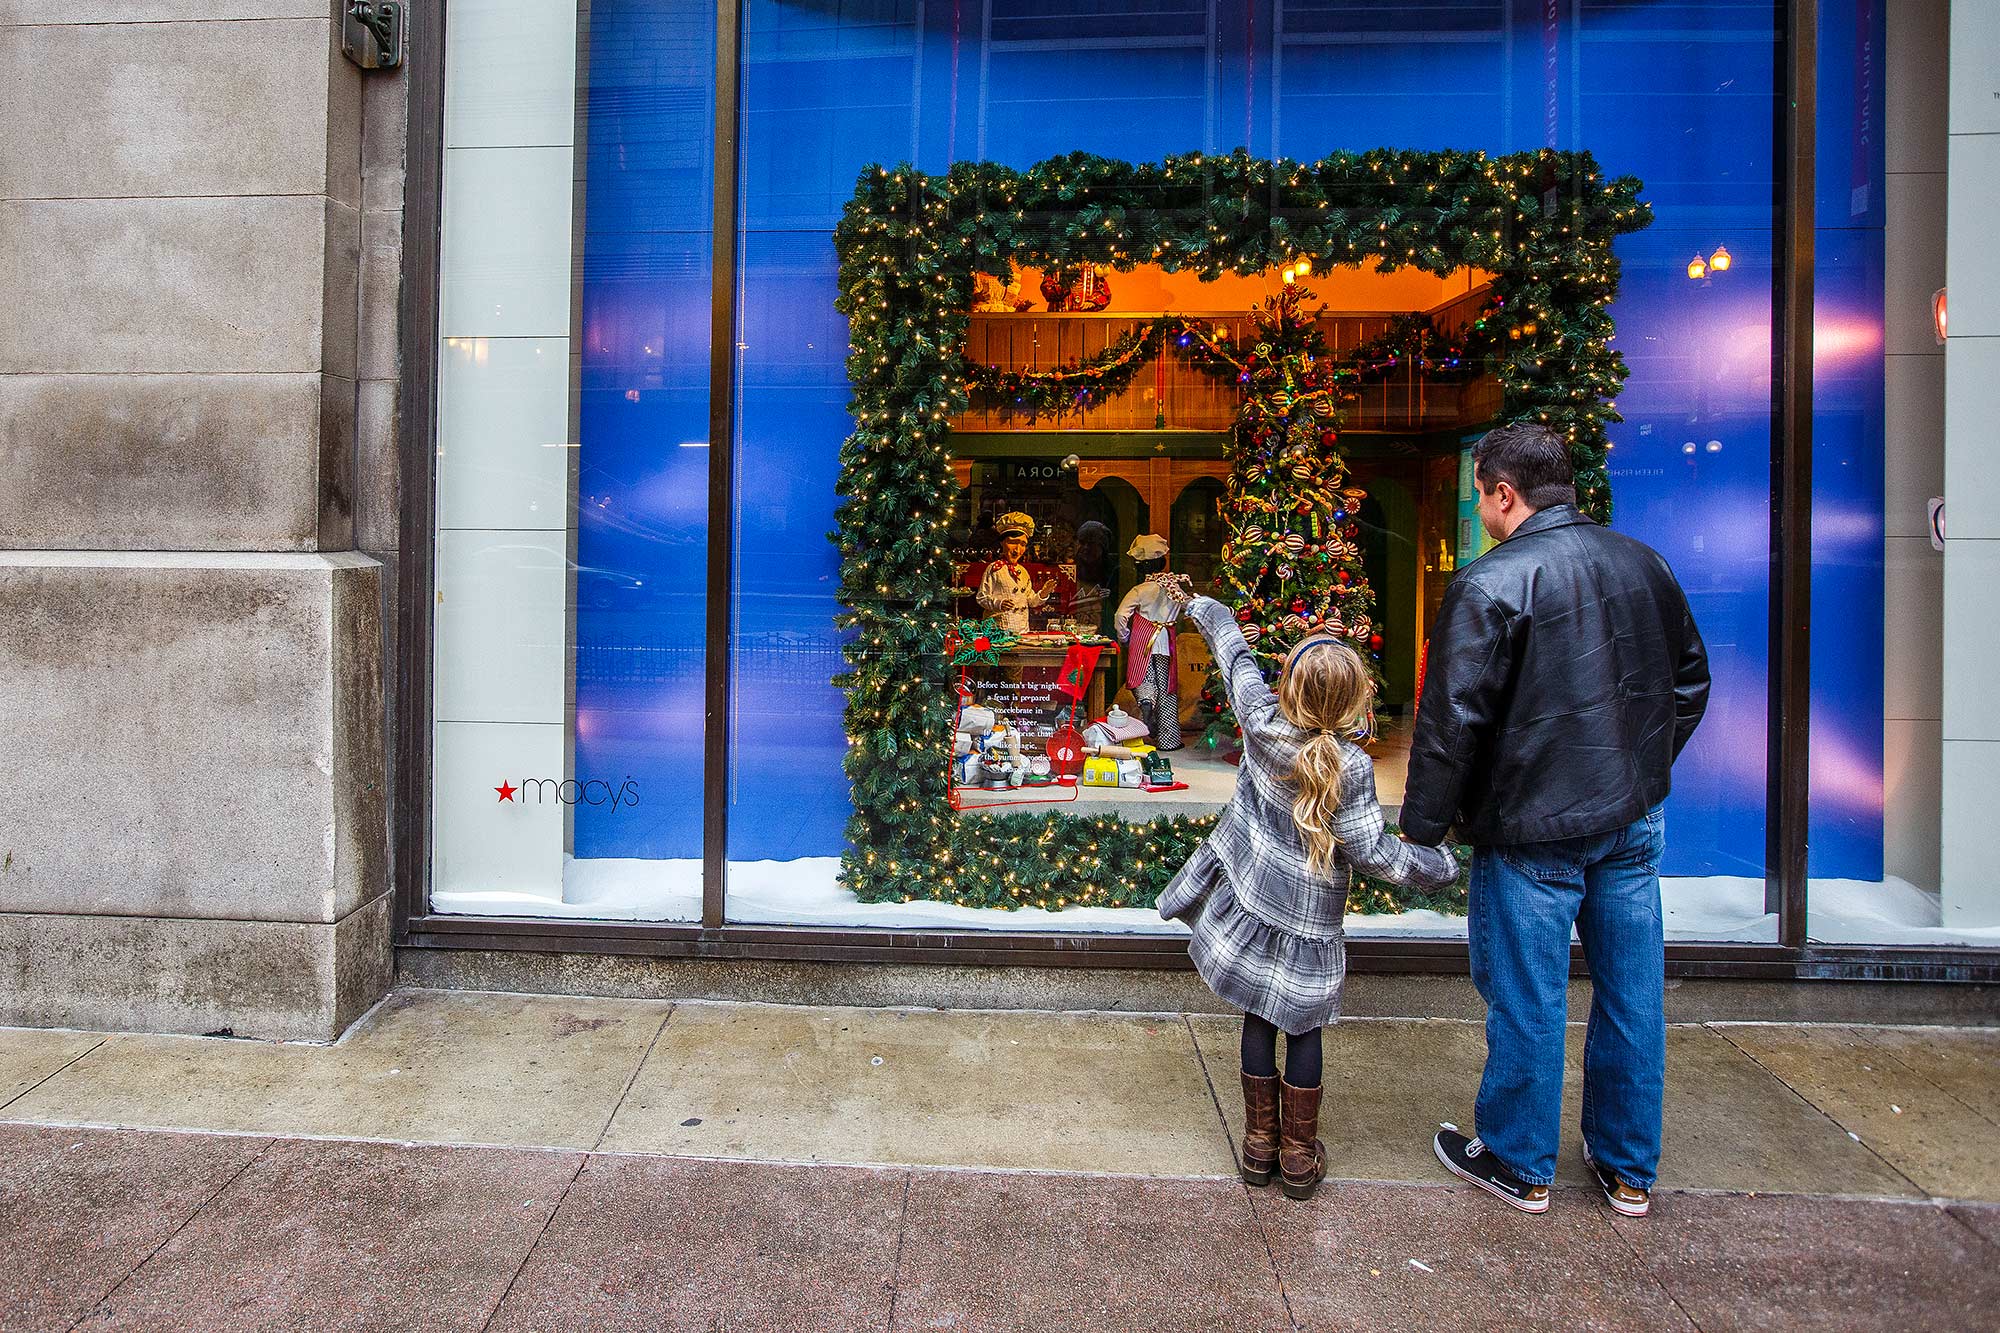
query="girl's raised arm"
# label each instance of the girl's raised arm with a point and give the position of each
(1242, 681)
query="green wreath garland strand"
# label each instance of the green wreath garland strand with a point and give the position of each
(909, 245)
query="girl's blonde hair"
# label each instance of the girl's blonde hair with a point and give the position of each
(1325, 689)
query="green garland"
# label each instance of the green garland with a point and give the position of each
(909, 245)
(1090, 381)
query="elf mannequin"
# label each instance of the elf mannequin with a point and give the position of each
(1144, 623)
(1008, 592)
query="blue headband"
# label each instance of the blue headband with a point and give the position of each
(1317, 641)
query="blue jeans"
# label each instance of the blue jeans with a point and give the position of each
(1525, 898)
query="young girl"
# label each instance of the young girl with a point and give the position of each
(1265, 894)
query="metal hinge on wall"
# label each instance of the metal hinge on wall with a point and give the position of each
(371, 33)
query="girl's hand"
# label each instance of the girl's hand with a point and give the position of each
(1178, 587)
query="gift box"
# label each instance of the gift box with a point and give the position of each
(1100, 772)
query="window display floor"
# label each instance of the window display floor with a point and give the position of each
(1210, 782)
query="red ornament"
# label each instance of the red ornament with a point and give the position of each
(1375, 642)
(982, 644)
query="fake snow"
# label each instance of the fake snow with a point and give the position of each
(808, 892)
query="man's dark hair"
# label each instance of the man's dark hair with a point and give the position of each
(1531, 458)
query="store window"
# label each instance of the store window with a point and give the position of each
(1009, 381)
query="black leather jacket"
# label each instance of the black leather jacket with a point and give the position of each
(1564, 675)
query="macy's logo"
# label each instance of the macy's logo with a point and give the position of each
(568, 791)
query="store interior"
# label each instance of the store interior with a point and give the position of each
(1100, 483)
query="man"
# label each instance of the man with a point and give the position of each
(1565, 675)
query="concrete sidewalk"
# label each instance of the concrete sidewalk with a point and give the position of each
(553, 1162)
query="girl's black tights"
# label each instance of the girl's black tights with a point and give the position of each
(1260, 1053)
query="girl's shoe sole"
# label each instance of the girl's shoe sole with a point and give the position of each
(1524, 1205)
(1252, 1176)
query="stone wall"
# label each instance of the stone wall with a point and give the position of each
(201, 204)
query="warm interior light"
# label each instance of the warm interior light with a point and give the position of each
(1697, 267)
(1719, 261)
(1937, 314)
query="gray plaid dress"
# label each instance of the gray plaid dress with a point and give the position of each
(1267, 931)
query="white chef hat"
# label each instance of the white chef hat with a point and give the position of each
(1152, 546)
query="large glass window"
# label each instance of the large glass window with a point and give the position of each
(830, 94)
(572, 461)
(883, 766)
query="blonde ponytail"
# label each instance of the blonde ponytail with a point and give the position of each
(1317, 776)
(1326, 690)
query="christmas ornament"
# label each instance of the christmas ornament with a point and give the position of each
(1294, 543)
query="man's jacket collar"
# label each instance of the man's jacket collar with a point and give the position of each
(1555, 516)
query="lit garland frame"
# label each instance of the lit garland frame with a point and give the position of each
(909, 245)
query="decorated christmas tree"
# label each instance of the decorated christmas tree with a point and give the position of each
(1291, 566)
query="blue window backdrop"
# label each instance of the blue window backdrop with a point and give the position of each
(1682, 95)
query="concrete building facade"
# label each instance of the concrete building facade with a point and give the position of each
(203, 298)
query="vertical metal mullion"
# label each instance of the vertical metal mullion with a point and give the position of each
(1788, 788)
(721, 467)
(417, 411)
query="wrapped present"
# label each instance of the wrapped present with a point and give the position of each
(1100, 772)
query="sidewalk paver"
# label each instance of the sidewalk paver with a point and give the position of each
(1795, 1263)
(1730, 1124)
(651, 1243)
(349, 1236)
(80, 1209)
(425, 1066)
(1388, 1084)
(1982, 1218)
(28, 1055)
(1101, 1093)
(1048, 1254)
(167, 1231)
(1367, 1256)
(1925, 1133)
(1963, 1062)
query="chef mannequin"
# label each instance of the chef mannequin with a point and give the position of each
(1144, 623)
(1007, 592)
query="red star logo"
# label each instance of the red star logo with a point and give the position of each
(506, 790)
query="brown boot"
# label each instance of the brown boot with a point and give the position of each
(1301, 1156)
(1260, 1129)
